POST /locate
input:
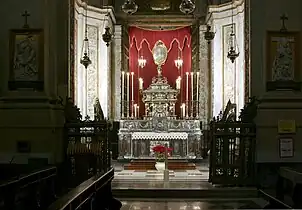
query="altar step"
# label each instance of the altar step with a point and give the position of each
(175, 165)
(214, 193)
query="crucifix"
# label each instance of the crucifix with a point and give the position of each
(25, 15)
(283, 18)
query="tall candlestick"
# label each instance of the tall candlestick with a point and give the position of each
(123, 95)
(197, 95)
(187, 86)
(132, 94)
(187, 91)
(192, 93)
(128, 95)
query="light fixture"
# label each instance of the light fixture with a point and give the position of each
(85, 60)
(233, 53)
(107, 36)
(178, 62)
(142, 62)
(208, 34)
(187, 6)
(129, 7)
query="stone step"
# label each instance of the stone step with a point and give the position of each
(226, 193)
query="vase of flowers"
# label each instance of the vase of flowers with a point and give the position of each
(159, 152)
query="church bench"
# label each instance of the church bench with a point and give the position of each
(288, 191)
(290, 183)
(93, 194)
(274, 203)
(32, 190)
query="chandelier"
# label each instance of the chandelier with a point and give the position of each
(187, 6)
(233, 53)
(142, 62)
(208, 34)
(129, 7)
(178, 62)
(85, 60)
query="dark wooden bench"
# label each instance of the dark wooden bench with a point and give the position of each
(288, 192)
(34, 190)
(93, 194)
(290, 183)
(274, 203)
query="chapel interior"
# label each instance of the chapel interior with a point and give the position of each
(155, 104)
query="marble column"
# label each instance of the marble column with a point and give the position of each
(62, 46)
(50, 39)
(117, 68)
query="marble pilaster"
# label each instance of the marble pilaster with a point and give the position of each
(117, 53)
(204, 85)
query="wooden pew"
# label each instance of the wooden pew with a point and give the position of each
(288, 192)
(93, 194)
(34, 190)
(290, 183)
(274, 203)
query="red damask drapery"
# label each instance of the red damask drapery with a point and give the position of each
(178, 43)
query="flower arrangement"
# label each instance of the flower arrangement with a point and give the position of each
(159, 151)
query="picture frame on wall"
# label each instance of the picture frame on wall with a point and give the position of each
(26, 59)
(283, 60)
(286, 147)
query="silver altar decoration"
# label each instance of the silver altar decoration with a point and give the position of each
(159, 125)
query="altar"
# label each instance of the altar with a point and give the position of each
(159, 124)
(137, 137)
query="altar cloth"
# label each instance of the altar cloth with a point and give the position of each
(159, 136)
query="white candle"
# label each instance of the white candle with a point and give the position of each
(140, 83)
(178, 83)
(187, 86)
(123, 97)
(181, 113)
(137, 111)
(128, 95)
(183, 110)
(135, 114)
(192, 86)
(132, 86)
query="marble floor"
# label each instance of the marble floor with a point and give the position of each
(192, 204)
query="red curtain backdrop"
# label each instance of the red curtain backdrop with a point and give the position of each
(142, 42)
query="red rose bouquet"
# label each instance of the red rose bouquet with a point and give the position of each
(159, 151)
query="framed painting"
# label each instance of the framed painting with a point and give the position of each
(282, 60)
(26, 60)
